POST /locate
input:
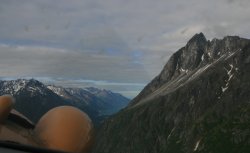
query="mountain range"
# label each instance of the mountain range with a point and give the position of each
(34, 99)
(199, 103)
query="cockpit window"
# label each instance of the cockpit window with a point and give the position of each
(67, 67)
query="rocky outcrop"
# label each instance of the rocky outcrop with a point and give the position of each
(197, 53)
(198, 103)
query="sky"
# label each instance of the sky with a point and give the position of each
(120, 45)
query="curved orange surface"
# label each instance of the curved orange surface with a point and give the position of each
(65, 128)
(6, 104)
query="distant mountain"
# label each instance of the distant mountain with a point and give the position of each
(105, 101)
(33, 99)
(199, 103)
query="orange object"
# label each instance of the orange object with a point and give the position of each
(65, 128)
(6, 104)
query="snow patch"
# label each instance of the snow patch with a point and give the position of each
(37, 89)
(184, 70)
(224, 89)
(197, 145)
(177, 66)
(18, 87)
(209, 54)
(56, 90)
(202, 57)
(170, 133)
(32, 89)
(13, 86)
(230, 76)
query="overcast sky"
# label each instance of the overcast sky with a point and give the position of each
(115, 44)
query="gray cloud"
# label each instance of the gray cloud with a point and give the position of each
(53, 62)
(126, 41)
(72, 68)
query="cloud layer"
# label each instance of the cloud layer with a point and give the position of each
(124, 43)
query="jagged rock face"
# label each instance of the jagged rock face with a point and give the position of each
(198, 103)
(197, 53)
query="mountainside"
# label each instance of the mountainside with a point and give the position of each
(200, 102)
(33, 99)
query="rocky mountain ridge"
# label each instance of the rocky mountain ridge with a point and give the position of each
(198, 103)
(33, 99)
(197, 55)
